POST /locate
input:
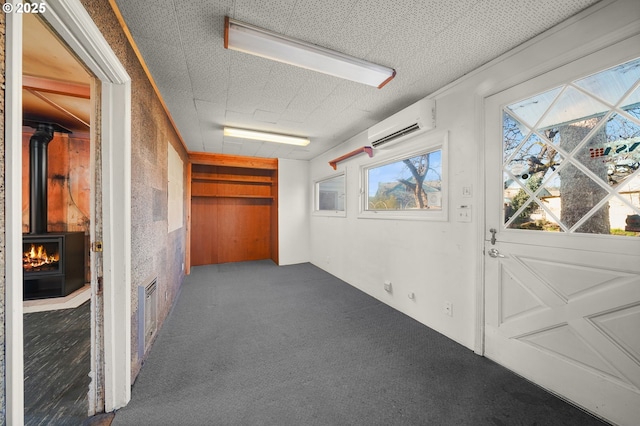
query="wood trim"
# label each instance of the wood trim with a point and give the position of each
(275, 220)
(143, 64)
(384, 83)
(187, 261)
(263, 180)
(367, 149)
(233, 161)
(60, 108)
(47, 85)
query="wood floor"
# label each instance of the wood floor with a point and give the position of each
(57, 354)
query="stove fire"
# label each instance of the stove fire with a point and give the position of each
(52, 264)
(37, 259)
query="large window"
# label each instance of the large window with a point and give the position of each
(330, 196)
(572, 156)
(407, 186)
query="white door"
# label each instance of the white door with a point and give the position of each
(562, 240)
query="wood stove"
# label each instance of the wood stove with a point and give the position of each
(53, 264)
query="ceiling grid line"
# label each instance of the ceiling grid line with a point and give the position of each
(429, 42)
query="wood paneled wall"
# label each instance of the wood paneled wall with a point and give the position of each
(69, 182)
(234, 209)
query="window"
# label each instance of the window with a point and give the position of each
(408, 186)
(572, 156)
(330, 196)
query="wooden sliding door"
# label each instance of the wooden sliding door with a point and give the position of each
(233, 209)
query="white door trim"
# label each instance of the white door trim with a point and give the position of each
(479, 190)
(14, 386)
(74, 25)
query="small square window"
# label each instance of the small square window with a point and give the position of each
(330, 196)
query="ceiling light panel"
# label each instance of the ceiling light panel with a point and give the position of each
(265, 136)
(257, 41)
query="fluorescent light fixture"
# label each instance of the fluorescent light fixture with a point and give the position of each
(260, 42)
(264, 136)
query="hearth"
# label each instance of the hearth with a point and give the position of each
(53, 263)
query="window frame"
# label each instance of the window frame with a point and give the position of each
(316, 196)
(418, 145)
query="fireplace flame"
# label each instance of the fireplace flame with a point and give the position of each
(37, 257)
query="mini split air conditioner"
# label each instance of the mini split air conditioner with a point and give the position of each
(415, 118)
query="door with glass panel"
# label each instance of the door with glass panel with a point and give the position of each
(562, 240)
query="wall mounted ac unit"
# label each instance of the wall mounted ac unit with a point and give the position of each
(417, 117)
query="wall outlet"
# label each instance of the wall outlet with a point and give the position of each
(463, 213)
(387, 286)
(448, 308)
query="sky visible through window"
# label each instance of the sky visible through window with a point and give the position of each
(392, 172)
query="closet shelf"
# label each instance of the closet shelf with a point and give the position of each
(239, 179)
(255, 197)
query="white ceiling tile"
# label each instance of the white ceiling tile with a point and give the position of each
(274, 15)
(429, 42)
(209, 111)
(266, 116)
(212, 140)
(236, 119)
(167, 61)
(158, 22)
(294, 116)
(266, 150)
(232, 149)
(319, 22)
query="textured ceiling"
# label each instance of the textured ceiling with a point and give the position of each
(430, 43)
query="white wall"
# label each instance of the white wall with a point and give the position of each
(432, 259)
(442, 261)
(293, 211)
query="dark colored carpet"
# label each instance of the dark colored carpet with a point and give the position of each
(57, 351)
(253, 343)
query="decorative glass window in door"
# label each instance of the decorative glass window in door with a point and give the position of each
(572, 155)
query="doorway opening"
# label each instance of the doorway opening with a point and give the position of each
(57, 184)
(110, 302)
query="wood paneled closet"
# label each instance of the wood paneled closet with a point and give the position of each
(233, 210)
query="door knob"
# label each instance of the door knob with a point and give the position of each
(495, 253)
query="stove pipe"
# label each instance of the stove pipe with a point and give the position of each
(38, 196)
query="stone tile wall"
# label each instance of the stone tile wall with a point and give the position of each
(155, 252)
